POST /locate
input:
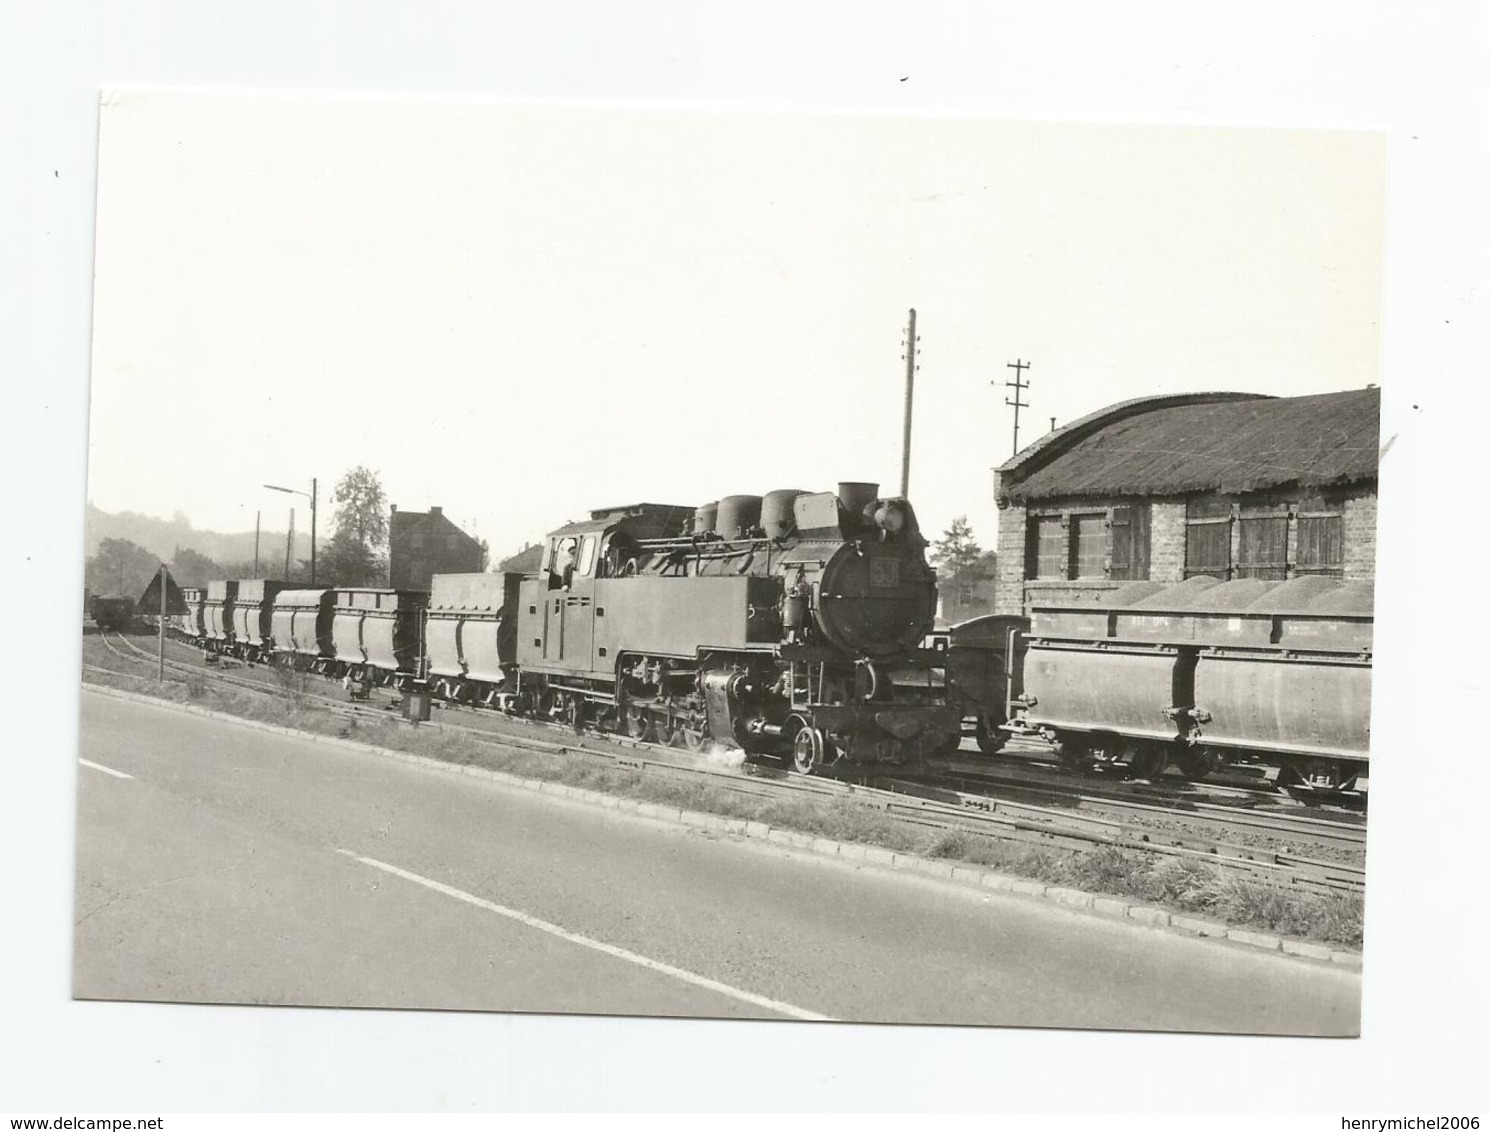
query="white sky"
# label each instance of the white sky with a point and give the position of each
(520, 312)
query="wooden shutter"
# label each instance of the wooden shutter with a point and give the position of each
(1263, 547)
(1321, 544)
(1208, 537)
(1120, 564)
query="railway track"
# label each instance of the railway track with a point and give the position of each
(1346, 831)
(934, 801)
(1031, 761)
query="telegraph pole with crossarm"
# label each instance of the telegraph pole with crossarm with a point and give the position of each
(1019, 385)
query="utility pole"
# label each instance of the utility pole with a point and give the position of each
(910, 385)
(1019, 385)
(257, 515)
(160, 674)
(312, 530)
(312, 496)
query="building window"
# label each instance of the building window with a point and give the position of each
(1045, 548)
(1088, 546)
(449, 542)
(416, 541)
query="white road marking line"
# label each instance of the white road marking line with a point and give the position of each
(596, 945)
(106, 770)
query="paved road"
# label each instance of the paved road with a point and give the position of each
(234, 865)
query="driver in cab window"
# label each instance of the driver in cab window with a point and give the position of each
(561, 568)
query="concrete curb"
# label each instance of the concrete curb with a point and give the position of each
(963, 875)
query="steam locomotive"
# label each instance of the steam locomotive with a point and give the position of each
(788, 625)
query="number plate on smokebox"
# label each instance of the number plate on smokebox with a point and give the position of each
(884, 572)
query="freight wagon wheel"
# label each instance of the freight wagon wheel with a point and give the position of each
(948, 747)
(1071, 752)
(1148, 761)
(1196, 763)
(990, 739)
(639, 723)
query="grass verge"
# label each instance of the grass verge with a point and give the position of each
(1181, 884)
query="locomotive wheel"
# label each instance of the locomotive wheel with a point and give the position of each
(639, 723)
(546, 705)
(691, 737)
(662, 728)
(807, 749)
(990, 739)
(1148, 761)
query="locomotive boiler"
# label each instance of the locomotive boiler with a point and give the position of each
(786, 625)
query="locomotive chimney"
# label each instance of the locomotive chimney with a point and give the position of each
(856, 496)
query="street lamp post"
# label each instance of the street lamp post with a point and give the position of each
(311, 495)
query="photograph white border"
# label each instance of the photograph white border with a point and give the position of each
(1337, 65)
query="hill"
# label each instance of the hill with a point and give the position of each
(163, 537)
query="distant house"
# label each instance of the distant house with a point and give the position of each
(959, 598)
(525, 561)
(422, 544)
(1233, 485)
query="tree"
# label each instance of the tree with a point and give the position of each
(362, 509)
(190, 568)
(353, 556)
(347, 562)
(120, 567)
(957, 551)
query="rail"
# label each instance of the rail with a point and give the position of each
(912, 801)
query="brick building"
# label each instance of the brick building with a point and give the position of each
(421, 545)
(1162, 488)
